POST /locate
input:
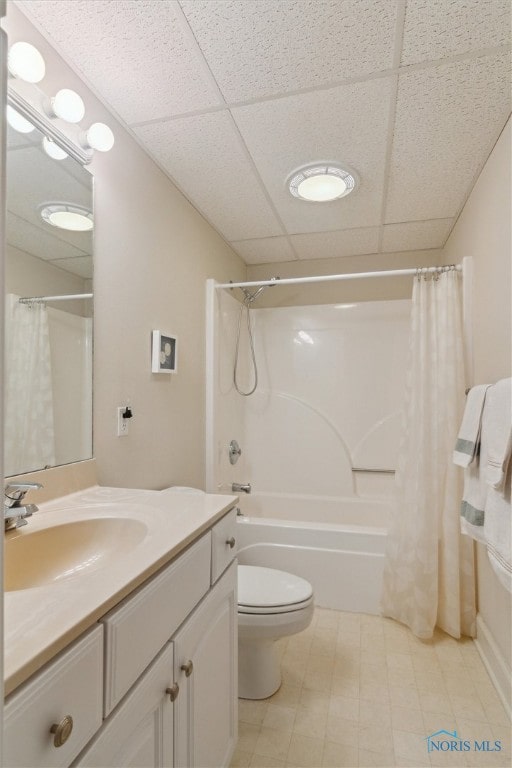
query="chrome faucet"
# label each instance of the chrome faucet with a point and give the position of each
(239, 487)
(14, 511)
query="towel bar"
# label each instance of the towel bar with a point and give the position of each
(374, 471)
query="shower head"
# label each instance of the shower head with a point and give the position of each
(250, 297)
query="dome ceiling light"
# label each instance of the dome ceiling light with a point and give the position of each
(67, 216)
(321, 182)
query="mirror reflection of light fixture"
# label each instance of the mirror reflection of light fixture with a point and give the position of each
(67, 216)
(98, 136)
(321, 182)
(25, 62)
(53, 150)
(26, 67)
(67, 105)
(18, 122)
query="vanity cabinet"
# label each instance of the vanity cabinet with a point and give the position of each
(153, 684)
(182, 711)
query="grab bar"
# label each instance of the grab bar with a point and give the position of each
(375, 471)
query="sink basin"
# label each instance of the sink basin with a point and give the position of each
(48, 555)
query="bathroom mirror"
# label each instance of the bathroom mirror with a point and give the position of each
(48, 343)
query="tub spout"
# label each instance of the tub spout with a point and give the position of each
(239, 487)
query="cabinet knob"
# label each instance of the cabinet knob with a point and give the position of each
(231, 542)
(62, 731)
(173, 691)
(188, 668)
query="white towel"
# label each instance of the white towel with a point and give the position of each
(498, 418)
(469, 432)
(498, 533)
(474, 496)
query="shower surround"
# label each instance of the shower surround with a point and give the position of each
(329, 400)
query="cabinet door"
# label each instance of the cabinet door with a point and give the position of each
(206, 665)
(139, 733)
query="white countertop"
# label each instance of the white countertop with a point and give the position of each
(41, 621)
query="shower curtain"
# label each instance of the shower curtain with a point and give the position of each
(429, 570)
(28, 422)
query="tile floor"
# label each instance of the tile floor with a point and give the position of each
(361, 690)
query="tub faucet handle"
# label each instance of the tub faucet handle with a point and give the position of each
(239, 487)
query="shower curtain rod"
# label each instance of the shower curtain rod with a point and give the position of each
(348, 276)
(66, 297)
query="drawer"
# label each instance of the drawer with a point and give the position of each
(224, 544)
(142, 623)
(71, 685)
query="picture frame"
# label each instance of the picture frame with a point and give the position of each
(164, 353)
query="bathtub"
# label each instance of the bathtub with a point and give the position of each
(336, 544)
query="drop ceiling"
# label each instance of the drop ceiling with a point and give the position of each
(230, 96)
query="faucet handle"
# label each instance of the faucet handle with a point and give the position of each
(16, 491)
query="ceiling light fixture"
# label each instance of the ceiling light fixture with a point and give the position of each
(18, 122)
(321, 182)
(67, 105)
(67, 216)
(25, 62)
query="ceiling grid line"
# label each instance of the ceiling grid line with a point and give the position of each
(397, 56)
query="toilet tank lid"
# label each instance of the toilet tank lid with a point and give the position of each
(182, 489)
(258, 586)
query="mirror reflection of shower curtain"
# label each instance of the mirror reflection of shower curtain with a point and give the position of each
(29, 428)
(429, 572)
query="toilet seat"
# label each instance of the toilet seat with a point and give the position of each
(270, 591)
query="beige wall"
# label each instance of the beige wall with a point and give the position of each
(483, 232)
(153, 253)
(369, 289)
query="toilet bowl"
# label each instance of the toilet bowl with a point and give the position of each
(271, 604)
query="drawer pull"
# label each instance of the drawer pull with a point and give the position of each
(62, 731)
(173, 691)
(188, 668)
(231, 542)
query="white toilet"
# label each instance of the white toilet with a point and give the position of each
(271, 604)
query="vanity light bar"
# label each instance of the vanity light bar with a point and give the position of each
(16, 100)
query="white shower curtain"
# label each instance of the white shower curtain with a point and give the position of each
(28, 423)
(429, 570)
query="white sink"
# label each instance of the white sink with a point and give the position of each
(47, 555)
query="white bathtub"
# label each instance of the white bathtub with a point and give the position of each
(336, 544)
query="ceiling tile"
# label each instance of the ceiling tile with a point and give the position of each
(41, 240)
(205, 157)
(347, 125)
(80, 265)
(416, 235)
(139, 54)
(435, 29)
(257, 49)
(446, 120)
(264, 250)
(331, 245)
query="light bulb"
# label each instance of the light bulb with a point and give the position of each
(68, 105)
(53, 150)
(18, 122)
(100, 137)
(25, 61)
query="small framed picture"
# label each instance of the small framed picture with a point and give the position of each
(164, 353)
